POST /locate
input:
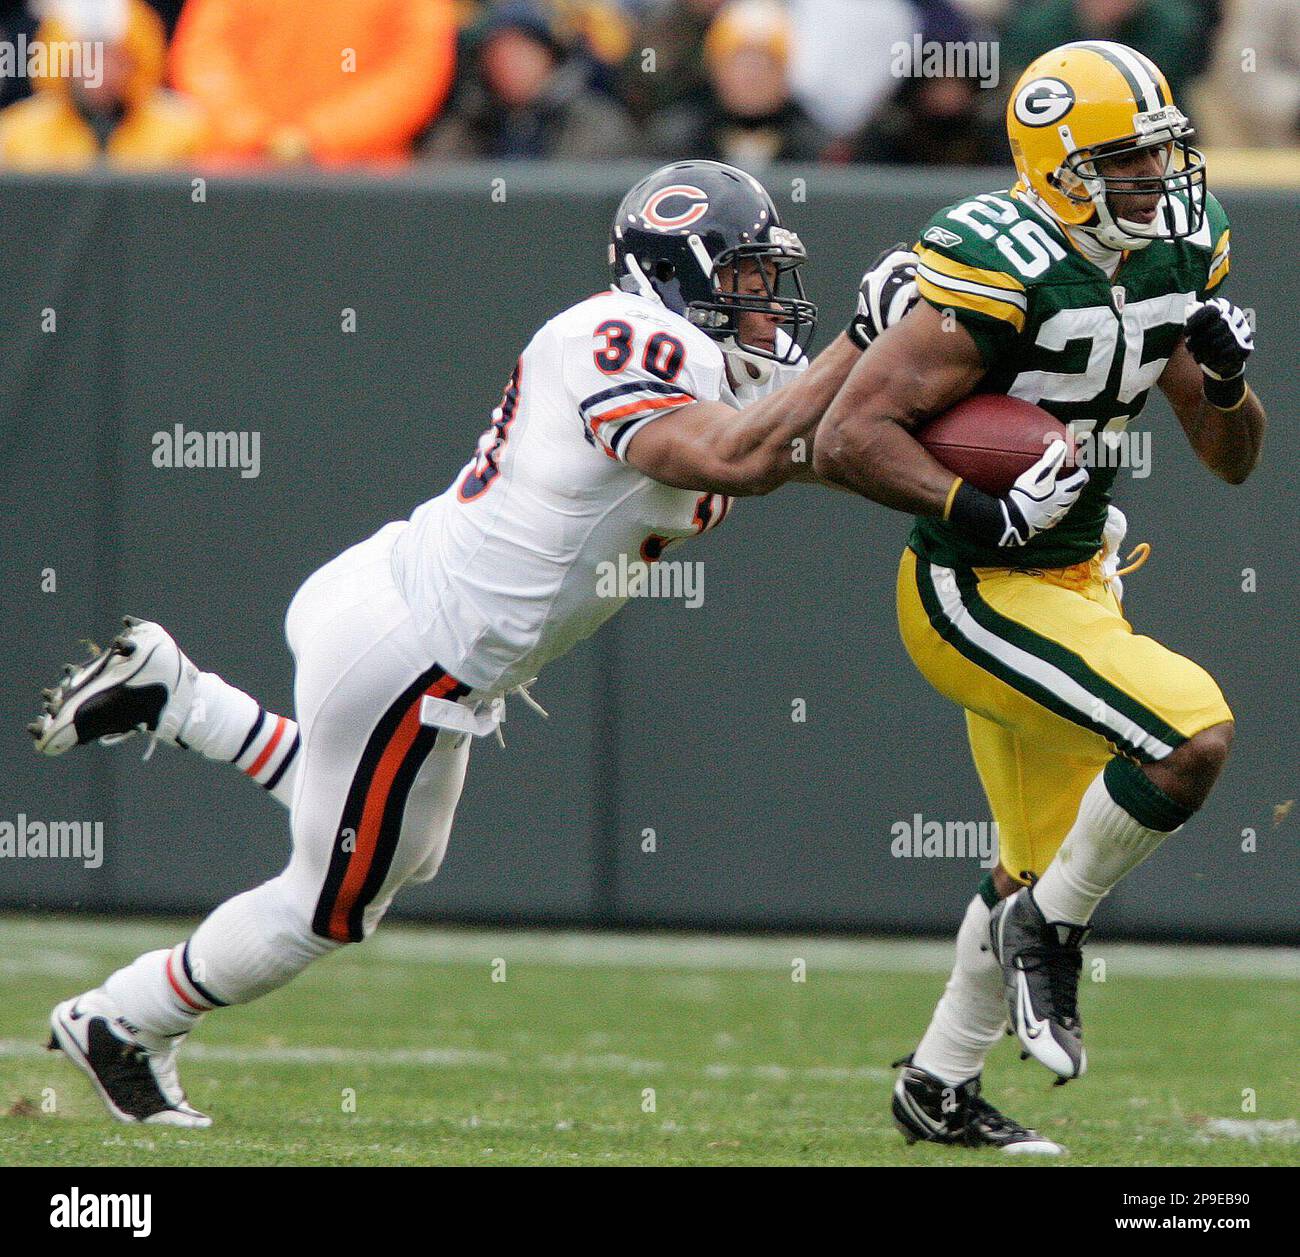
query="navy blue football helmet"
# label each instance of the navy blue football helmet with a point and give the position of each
(680, 228)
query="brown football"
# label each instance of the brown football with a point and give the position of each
(989, 439)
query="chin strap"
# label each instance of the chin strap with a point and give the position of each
(753, 370)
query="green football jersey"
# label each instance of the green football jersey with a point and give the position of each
(1055, 330)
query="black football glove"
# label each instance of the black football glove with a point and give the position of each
(1219, 337)
(887, 292)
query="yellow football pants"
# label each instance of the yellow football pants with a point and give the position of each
(1054, 682)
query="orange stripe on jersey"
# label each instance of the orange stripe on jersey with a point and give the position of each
(372, 812)
(644, 406)
(269, 749)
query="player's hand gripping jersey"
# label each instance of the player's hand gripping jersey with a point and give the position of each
(1053, 329)
(501, 570)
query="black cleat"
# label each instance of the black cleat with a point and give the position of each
(135, 1084)
(1040, 971)
(142, 683)
(928, 1110)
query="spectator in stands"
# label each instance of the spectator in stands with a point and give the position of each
(170, 12)
(325, 81)
(842, 58)
(749, 117)
(597, 31)
(1170, 32)
(938, 121)
(1258, 70)
(674, 33)
(16, 20)
(116, 111)
(528, 94)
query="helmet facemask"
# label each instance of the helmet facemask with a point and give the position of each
(1180, 209)
(776, 264)
(689, 235)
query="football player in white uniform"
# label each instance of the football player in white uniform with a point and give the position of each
(629, 423)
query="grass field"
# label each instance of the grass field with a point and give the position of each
(553, 1064)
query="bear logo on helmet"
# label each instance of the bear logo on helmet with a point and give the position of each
(696, 206)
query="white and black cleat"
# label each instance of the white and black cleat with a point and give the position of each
(1040, 962)
(135, 1084)
(928, 1110)
(142, 683)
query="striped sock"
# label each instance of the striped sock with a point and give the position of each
(247, 946)
(227, 724)
(269, 754)
(160, 995)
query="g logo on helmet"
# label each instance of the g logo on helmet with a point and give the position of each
(696, 205)
(1044, 101)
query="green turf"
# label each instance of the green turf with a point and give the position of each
(551, 1065)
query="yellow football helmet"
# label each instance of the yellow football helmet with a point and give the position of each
(1096, 99)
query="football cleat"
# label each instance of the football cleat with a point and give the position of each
(135, 1084)
(928, 1110)
(1040, 962)
(142, 682)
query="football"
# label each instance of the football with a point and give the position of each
(989, 439)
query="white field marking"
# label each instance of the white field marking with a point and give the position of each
(470, 1058)
(53, 963)
(26, 940)
(1255, 1130)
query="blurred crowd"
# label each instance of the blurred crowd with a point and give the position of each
(384, 82)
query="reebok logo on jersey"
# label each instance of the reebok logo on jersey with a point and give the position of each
(942, 236)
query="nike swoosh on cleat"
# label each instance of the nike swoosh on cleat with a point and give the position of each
(1033, 1026)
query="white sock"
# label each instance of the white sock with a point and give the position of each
(226, 724)
(148, 1000)
(972, 1014)
(250, 945)
(1103, 845)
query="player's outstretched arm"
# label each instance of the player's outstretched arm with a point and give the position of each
(1229, 435)
(914, 371)
(715, 448)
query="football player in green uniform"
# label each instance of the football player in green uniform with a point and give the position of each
(1095, 277)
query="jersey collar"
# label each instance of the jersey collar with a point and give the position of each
(1105, 260)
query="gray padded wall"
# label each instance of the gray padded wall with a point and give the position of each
(227, 315)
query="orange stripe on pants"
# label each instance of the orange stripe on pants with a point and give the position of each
(372, 812)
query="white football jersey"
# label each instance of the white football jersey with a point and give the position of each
(502, 570)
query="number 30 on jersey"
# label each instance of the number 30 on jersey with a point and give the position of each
(663, 355)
